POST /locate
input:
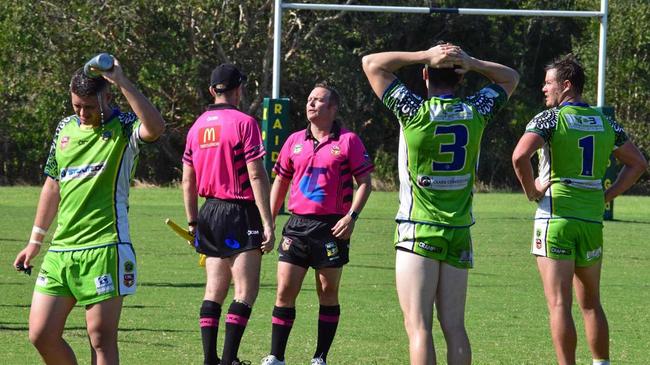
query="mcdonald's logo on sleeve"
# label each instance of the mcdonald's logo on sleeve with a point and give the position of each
(209, 136)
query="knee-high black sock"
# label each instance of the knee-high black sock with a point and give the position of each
(236, 320)
(328, 320)
(283, 318)
(209, 322)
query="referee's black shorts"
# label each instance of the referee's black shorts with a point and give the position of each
(307, 240)
(227, 227)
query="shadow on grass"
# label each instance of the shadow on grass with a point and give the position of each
(185, 285)
(19, 326)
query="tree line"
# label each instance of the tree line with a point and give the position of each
(169, 48)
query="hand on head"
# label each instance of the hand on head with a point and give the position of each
(449, 55)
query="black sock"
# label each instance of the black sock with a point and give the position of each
(328, 320)
(209, 322)
(283, 318)
(236, 320)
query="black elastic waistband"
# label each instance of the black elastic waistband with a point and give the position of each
(231, 201)
(327, 218)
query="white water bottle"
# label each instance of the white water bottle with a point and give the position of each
(98, 64)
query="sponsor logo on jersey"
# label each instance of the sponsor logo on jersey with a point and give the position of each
(336, 150)
(297, 149)
(429, 248)
(594, 254)
(107, 135)
(587, 123)
(212, 117)
(444, 182)
(450, 112)
(560, 251)
(332, 250)
(286, 243)
(80, 172)
(129, 280)
(209, 136)
(251, 232)
(538, 243)
(64, 142)
(104, 284)
(129, 266)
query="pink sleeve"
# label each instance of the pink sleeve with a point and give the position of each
(284, 165)
(252, 139)
(187, 155)
(360, 163)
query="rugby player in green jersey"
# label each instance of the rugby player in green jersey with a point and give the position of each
(90, 261)
(574, 142)
(438, 152)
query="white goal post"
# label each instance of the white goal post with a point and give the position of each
(280, 5)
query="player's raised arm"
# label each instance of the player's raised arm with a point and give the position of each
(380, 67)
(499, 74)
(153, 124)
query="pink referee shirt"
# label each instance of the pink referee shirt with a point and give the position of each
(322, 175)
(219, 144)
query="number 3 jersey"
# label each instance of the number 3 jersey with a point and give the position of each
(578, 142)
(439, 145)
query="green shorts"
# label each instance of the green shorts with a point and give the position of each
(90, 275)
(447, 244)
(568, 239)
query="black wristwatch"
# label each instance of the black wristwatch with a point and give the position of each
(353, 214)
(192, 223)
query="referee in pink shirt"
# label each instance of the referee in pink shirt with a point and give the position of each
(223, 163)
(318, 164)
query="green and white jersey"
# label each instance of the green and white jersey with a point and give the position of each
(94, 167)
(578, 142)
(439, 145)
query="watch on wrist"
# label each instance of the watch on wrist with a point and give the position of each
(354, 215)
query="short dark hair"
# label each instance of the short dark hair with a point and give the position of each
(83, 85)
(568, 68)
(443, 77)
(334, 97)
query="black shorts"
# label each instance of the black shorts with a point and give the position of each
(227, 227)
(308, 241)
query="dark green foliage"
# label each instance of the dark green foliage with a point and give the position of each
(168, 49)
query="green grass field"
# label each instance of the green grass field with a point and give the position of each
(506, 312)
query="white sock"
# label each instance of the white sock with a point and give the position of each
(600, 362)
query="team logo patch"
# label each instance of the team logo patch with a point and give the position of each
(41, 280)
(538, 243)
(286, 243)
(332, 249)
(297, 148)
(129, 280)
(107, 135)
(594, 254)
(209, 136)
(538, 232)
(336, 150)
(104, 284)
(129, 266)
(232, 243)
(64, 142)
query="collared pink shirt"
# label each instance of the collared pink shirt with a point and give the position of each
(219, 145)
(322, 175)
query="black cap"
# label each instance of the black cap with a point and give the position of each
(226, 77)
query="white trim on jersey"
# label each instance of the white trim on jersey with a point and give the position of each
(405, 187)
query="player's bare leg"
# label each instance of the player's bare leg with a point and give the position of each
(450, 307)
(587, 286)
(327, 285)
(102, 321)
(218, 277)
(245, 269)
(47, 318)
(290, 278)
(556, 277)
(417, 281)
